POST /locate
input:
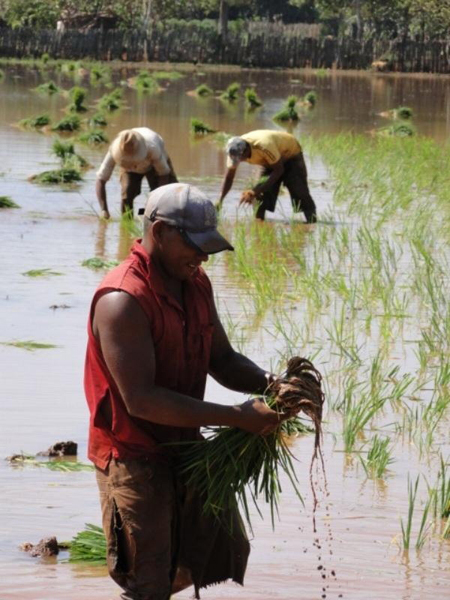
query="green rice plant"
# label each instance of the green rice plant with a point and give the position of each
(407, 526)
(29, 345)
(97, 263)
(198, 127)
(99, 73)
(321, 72)
(203, 91)
(45, 57)
(171, 75)
(111, 102)
(310, 98)
(78, 96)
(97, 120)
(144, 82)
(40, 273)
(69, 123)
(67, 466)
(231, 93)
(7, 202)
(132, 226)
(403, 112)
(88, 546)
(58, 176)
(357, 414)
(440, 492)
(49, 88)
(289, 111)
(35, 122)
(399, 129)
(94, 137)
(71, 67)
(379, 457)
(252, 100)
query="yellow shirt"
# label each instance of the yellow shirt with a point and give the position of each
(268, 146)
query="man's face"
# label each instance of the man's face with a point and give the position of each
(179, 259)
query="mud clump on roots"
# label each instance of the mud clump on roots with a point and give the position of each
(46, 547)
(61, 449)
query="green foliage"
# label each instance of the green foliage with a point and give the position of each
(252, 100)
(98, 120)
(88, 546)
(289, 111)
(400, 129)
(35, 122)
(49, 88)
(378, 458)
(171, 75)
(144, 82)
(45, 57)
(63, 175)
(77, 95)
(310, 98)
(40, 273)
(203, 91)
(112, 101)
(404, 112)
(7, 202)
(231, 93)
(99, 73)
(29, 345)
(198, 127)
(69, 123)
(97, 263)
(37, 14)
(65, 151)
(94, 137)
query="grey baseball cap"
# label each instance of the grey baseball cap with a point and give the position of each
(187, 208)
(236, 147)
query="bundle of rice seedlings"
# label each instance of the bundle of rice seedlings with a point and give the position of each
(65, 151)
(45, 57)
(403, 112)
(233, 465)
(203, 90)
(111, 102)
(77, 95)
(98, 120)
(88, 546)
(173, 75)
(94, 137)
(7, 202)
(252, 100)
(35, 122)
(198, 127)
(310, 99)
(63, 175)
(98, 263)
(288, 112)
(99, 73)
(49, 88)
(231, 93)
(144, 82)
(400, 129)
(69, 123)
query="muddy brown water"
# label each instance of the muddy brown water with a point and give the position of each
(41, 392)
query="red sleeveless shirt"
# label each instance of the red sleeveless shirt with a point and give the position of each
(182, 340)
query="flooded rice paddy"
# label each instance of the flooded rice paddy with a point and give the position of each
(363, 293)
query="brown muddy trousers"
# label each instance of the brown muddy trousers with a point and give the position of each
(153, 526)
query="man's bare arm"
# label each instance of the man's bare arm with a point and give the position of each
(100, 189)
(232, 369)
(123, 331)
(227, 183)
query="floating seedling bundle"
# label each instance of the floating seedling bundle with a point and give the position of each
(232, 464)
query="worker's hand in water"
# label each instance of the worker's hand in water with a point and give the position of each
(105, 214)
(247, 197)
(257, 417)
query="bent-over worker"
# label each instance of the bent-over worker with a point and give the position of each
(139, 152)
(281, 158)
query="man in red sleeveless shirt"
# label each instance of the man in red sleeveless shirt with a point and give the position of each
(154, 335)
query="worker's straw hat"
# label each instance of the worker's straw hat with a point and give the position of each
(128, 147)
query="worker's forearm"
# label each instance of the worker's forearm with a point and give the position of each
(240, 374)
(166, 407)
(100, 188)
(227, 184)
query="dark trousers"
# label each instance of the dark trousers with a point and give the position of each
(295, 178)
(131, 185)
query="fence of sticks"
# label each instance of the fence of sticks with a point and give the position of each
(281, 46)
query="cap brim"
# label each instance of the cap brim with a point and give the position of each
(209, 242)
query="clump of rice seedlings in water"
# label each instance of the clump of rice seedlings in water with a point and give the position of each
(98, 263)
(399, 129)
(198, 127)
(310, 99)
(35, 122)
(203, 91)
(69, 123)
(64, 175)
(289, 111)
(94, 137)
(172, 75)
(378, 458)
(112, 101)
(88, 546)
(403, 112)
(53, 465)
(7, 202)
(99, 73)
(144, 82)
(40, 273)
(252, 100)
(77, 95)
(45, 57)
(231, 93)
(29, 345)
(98, 120)
(65, 151)
(49, 88)
(230, 461)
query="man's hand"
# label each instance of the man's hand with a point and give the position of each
(247, 197)
(256, 417)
